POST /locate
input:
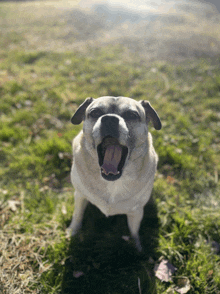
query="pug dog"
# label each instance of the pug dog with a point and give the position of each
(114, 161)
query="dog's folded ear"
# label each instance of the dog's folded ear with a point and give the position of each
(79, 115)
(151, 114)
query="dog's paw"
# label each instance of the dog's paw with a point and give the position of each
(73, 229)
(68, 232)
(71, 232)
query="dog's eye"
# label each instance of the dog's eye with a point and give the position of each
(96, 113)
(130, 115)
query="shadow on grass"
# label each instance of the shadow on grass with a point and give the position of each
(107, 263)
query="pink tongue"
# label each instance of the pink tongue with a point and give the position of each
(111, 160)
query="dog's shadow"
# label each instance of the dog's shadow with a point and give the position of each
(103, 259)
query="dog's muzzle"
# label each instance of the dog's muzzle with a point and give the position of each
(112, 156)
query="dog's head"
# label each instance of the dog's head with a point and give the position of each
(114, 129)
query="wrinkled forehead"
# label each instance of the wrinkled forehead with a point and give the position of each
(115, 104)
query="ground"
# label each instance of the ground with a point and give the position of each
(49, 65)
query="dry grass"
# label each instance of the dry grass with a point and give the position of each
(23, 255)
(18, 257)
(21, 261)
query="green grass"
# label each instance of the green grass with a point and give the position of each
(40, 90)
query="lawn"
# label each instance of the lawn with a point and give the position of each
(40, 89)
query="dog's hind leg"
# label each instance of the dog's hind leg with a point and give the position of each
(134, 221)
(79, 208)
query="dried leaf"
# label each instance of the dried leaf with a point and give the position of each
(164, 271)
(63, 209)
(77, 274)
(171, 180)
(65, 155)
(4, 192)
(126, 238)
(13, 204)
(183, 285)
(44, 188)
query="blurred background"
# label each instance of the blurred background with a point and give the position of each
(173, 30)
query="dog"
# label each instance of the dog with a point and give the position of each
(114, 161)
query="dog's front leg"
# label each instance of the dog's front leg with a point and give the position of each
(80, 204)
(134, 221)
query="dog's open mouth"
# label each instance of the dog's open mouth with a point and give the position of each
(112, 158)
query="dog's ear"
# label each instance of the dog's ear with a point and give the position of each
(151, 114)
(79, 115)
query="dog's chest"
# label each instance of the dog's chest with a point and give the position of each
(116, 199)
(116, 192)
(115, 203)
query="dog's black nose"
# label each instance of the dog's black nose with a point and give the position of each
(110, 120)
(110, 126)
